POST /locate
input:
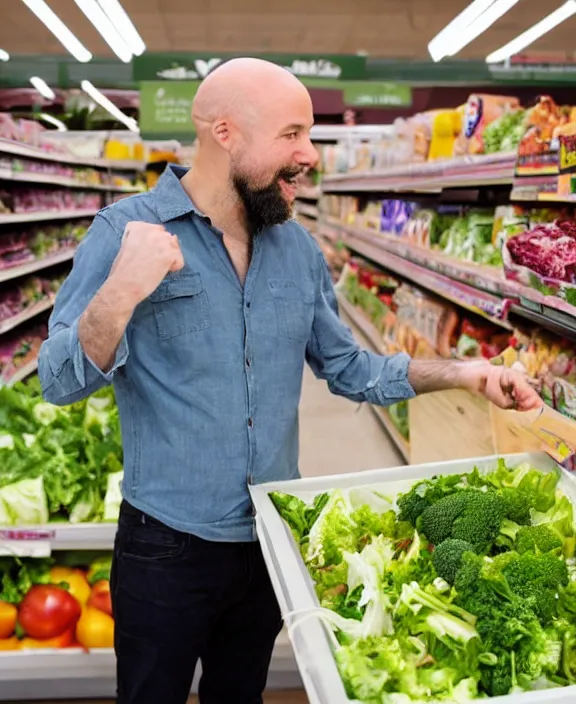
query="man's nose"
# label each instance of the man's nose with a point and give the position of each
(308, 155)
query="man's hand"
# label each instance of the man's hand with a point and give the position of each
(504, 387)
(147, 254)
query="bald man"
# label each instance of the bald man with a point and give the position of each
(201, 301)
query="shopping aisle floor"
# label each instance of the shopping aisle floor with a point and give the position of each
(336, 436)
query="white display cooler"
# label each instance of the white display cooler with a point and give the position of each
(294, 587)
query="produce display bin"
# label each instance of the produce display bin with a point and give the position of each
(295, 590)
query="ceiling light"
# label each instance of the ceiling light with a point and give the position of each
(4, 55)
(43, 88)
(102, 23)
(109, 106)
(535, 32)
(119, 18)
(467, 26)
(60, 126)
(58, 29)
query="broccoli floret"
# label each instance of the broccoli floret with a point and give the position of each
(539, 539)
(437, 520)
(412, 504)
(538, 579)
(480, 522)
(447, 558)
(517, 505)
(425, 493)
(470, 515)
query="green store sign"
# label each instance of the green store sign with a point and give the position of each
(191, 67)
(166, 109)
(166, 106)
(372, 94)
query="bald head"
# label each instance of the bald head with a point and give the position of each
(253, 121)
(243, 91)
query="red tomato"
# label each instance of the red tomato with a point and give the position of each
(47, 611)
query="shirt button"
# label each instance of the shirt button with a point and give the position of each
(248, 362)
(250, 423)
(248, 304)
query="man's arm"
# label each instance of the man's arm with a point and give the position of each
(66, 368)
(112, 274)
(504, 387)
(360, 376)
(334, 355)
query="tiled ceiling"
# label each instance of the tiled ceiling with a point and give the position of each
(384, 28)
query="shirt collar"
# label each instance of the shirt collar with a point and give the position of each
(171, 198)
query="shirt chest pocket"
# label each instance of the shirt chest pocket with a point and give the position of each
(180, 306)
(294, 309)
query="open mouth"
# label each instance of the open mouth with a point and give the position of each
(289, 186)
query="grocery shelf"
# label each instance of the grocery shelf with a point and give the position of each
(28, 313)
(55, 180)
(73, 673)
(310, 211)
(490, 306)
(15, 272)
(431, 176)
(309, 192)
(8, 146)
(361, 323)
(43, 215)
(398, 439)
(21, 373)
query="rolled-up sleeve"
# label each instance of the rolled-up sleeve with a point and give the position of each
(66, 373)
(351, 371)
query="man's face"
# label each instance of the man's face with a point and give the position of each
(265, 167)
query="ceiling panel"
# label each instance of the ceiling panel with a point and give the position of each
(387, 28)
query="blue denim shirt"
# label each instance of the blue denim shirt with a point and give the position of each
(209, 373)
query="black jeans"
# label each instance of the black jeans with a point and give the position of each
(178, 599)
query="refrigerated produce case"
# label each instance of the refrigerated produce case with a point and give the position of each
(295, 590)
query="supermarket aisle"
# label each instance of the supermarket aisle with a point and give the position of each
(338, 436)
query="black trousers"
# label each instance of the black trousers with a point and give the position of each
(178, 599)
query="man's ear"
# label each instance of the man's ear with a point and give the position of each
(221, 134)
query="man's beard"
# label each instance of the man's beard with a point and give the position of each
(265, 206)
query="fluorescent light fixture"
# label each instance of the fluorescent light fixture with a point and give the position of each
(60, 126)
(124, 26)
(43, 88)
(467, 26)
(59, 29)
(4, 55)
(109, 106)
(535, 32)
(102, 23)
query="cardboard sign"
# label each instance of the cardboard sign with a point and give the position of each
(556, 432)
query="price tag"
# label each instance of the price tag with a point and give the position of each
(17, 548)
(19, 542)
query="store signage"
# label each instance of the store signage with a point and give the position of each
(192, 67)
(373, 94)
(166, 108)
